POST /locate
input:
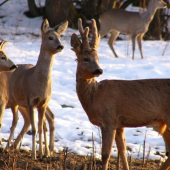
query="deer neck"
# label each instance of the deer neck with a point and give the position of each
(149, 14)
(86, 88)
(43, 68)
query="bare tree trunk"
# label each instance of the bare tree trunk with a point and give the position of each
(154, 31)
(157, 26)
(33, 8)
(107, 4)
(57, 11)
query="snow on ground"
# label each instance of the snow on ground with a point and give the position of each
(73, 129)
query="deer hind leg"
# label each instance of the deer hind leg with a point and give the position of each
(108, 135)
(139, 39)
(27, 123)
(14, 123)
(133, 45)
(111, 41)
(121, 145)
(50, 118)
(41, 118)
(166, 137)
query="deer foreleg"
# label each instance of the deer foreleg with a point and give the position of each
(121, 145)
(50, 118)
(14, 123)
(133, 45)
(45, 138)
(32, 118)
(41, 118)
(108, 135)
(2, 110)
(140, 45)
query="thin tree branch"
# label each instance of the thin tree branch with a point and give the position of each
(3, 3)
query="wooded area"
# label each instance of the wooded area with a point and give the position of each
(57, 11)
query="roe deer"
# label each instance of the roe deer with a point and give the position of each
(6, 103)
(30, 87)
(115, 104)
(135, 24)
(5, 63)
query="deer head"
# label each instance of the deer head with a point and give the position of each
(158, 4)
(86, 51)
(51, 38)
(5, 63)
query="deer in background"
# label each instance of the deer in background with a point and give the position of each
(5, 63)
(135, 24)
(115, 104)
(30, 86)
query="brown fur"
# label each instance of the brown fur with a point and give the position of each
(30, 86)
(5, 103)
(114, 104)
(117, 21)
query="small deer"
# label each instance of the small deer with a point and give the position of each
(30, 86)
(5, 103)
(5, 63)
(135, 24)
(115, 104)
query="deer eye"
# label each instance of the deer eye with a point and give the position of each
(86, 60)
(3, 58)
(50, 38)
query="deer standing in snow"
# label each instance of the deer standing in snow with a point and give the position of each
(5, 63)
(30, 86)
(115, 104)
(5, 104)
(135, 24)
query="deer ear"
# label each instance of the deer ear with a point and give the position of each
(45, 26)
(61, 27)
(75, 43)
(3, 45)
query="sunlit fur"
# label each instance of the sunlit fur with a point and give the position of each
(135, 24)
(115, 104)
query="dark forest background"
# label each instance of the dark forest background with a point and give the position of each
(57, 11)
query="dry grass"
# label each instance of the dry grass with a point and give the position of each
(21, 160)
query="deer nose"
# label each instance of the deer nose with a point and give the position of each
(60, 47)
(98, 72)
(13, 67)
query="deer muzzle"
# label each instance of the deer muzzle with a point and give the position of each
(60, 47)
(98, 72)
(13, 67)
